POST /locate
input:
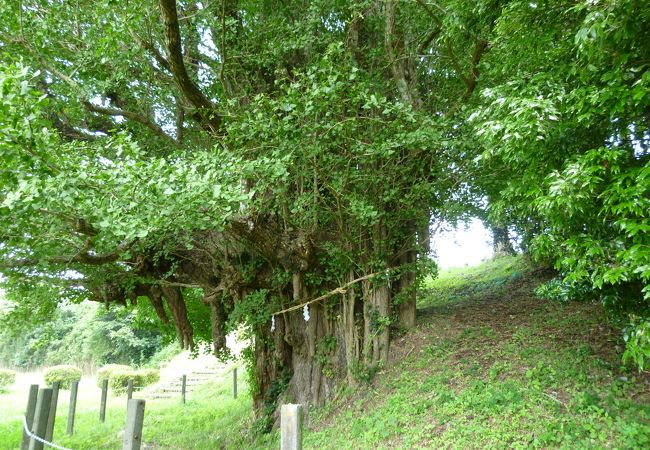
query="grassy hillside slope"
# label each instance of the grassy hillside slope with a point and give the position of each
(491, 366)
(488, 366)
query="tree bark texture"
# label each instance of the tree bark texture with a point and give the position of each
(501, 243)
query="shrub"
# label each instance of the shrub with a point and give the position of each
(63, 374)
(637, 339)
(119, 379)
(151, 376)
(561, 290)
(7, 378)
(164, 355)
(105, 372)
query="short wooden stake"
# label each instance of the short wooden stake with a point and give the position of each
(134, 420)
(129, 390)
(291, 427)
(49, 431)
(234, 383)
(102, 404)
(41, 416)
(183, 386)
(72, 406)
(29, 414)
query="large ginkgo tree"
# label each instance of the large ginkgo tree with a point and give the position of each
(273, 166)
(221, 162)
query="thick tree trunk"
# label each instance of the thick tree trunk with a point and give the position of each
(418, 243)
(380, 301)
(407, 292)
(501, 244)
(376, 311)
(174, 297)
(308, 384)
(349, 328)
(303, 361)
(218, 318)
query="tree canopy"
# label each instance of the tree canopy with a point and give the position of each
(228, 160)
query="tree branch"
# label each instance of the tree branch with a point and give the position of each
(471, 80)
(456, 64)
(82, 256)
(191, 91)
(132, 116)
(407, 91)
(431, 14)
(430, 37)
(148, 46)
(479, 51)
(100, 109)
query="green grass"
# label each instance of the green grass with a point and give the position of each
(210, 419)
(460, 283)
(488, 366)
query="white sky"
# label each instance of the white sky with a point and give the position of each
(466, 245)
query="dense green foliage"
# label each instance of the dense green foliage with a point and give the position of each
(563, 127)
(7, 378)
(118, 379)
(216, 163)
(63, 374)
(105, 372)
(563, 290)
(260, 185)
(85, 335)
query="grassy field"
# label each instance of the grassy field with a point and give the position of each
(210, 419)
(488, 366)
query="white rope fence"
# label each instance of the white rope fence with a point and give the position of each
(33, 436)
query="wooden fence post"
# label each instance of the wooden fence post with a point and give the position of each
(72, 406)
(234, 383)
(291, 427)
(133, 428)
(29, 414)
(41, 416)
(129, 390)
(49, 431)
(102, 405)
(183, 386)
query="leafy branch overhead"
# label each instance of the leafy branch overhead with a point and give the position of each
(222, 161)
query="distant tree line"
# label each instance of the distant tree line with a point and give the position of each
(83, 335)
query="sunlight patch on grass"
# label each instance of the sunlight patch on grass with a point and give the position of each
(457, 284)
